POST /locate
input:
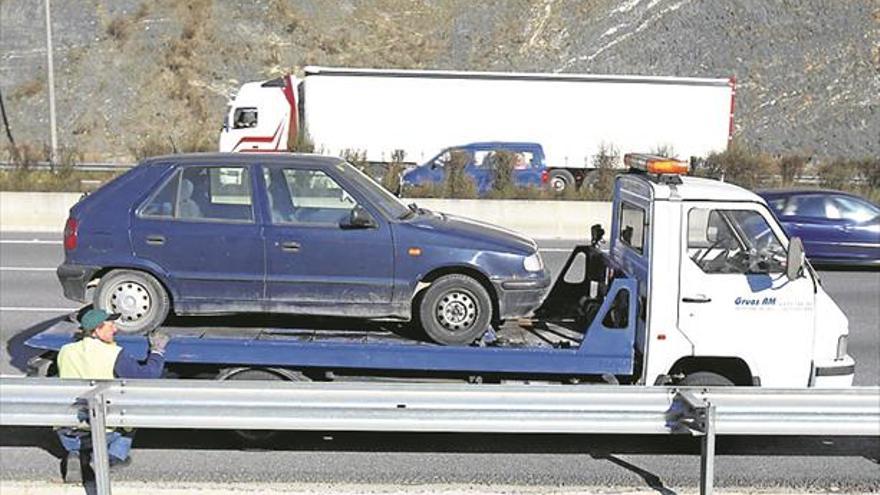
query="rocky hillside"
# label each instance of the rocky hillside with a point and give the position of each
(134, 72)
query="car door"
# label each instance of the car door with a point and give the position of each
(735, 299)
(199, 227)
(857, 233)
(315, 263)
(806, 216)
(528, 169)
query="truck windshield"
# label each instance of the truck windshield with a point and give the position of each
(733, 241)
(390, 205)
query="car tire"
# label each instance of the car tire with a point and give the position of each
(706, 379)
(138, 297)
(455, 310)
(560, 181)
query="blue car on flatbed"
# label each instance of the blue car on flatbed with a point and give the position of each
(203, 234)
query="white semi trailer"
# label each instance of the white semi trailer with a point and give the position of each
(378, 113)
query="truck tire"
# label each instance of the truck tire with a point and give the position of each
(141, 300)
(706, 379)
(255, 438)
(455, 310)
(561, 180)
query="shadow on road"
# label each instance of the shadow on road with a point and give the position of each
(19, 354)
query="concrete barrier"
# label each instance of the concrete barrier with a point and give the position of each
(47, 212)
(34, 211)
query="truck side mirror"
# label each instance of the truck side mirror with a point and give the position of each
(358, 218)
(795, 258)
(596, 234)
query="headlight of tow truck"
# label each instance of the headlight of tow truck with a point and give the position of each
(841, 346)
(533, 263)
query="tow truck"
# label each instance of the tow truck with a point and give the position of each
(697, 285)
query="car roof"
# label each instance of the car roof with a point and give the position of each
(246, 159)
(499, 144)
(777, 193)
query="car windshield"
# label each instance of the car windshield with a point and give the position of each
(378, 195)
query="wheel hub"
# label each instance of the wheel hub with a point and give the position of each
(131, 300)
(456, 311)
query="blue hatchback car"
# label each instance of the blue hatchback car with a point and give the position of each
(837, 228)
(530, 169)
(285, 233)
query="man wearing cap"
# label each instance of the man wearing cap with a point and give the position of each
(96, 356)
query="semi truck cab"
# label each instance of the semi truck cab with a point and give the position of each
(725, 296)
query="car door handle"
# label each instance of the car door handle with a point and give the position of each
(699, 298)
(290, 246)
(155, 240)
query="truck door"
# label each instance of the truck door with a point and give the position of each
(312, 259)
(735, 300)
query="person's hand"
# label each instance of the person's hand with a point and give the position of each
(158, 341)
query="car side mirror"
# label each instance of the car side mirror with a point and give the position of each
(358, 218)
(794, 259)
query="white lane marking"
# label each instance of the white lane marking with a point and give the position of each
(26, 269)
(555, 250)
(42, 310)
(28, 241)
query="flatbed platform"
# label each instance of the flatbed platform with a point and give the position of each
(522, 348)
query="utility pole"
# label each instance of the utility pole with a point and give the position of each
(53, 136)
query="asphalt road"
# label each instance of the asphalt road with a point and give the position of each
(30, 299)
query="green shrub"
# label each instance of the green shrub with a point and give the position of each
(742, 166)
(791, 167)
(456, 182)
(839, 174)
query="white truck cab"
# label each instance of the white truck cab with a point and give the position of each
(732, 298)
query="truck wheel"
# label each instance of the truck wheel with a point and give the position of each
(706, 379)
(137, 296)
(455, 310)
(254, 438)
(561, 180)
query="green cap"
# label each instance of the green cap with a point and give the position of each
(95, 317)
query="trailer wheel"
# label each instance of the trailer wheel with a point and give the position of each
(137, 296)
(455, 310)
(255, 438)
(561, 180)
(706, 379)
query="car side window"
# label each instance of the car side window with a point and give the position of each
(162, 203)
(303, 196)
(807, 206)
(733, 241)
(632, 226)
(854, 210)
(215, 193)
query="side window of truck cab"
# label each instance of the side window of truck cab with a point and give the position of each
(733, 241)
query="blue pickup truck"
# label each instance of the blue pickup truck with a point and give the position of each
(203, 234)
(530, 170)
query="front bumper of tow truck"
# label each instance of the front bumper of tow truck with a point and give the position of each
(838, 373)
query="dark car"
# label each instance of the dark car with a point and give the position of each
(836, 227)
(285, 233)
(530, 169)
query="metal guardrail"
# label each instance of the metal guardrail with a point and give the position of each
(421, 407)
(81, 166)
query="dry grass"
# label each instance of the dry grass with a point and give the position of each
(28, 89)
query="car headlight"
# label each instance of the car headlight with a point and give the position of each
(841, 346)
(533, 263)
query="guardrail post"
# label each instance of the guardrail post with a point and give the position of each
(707, 458)
(100, 456)
(697, 416)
